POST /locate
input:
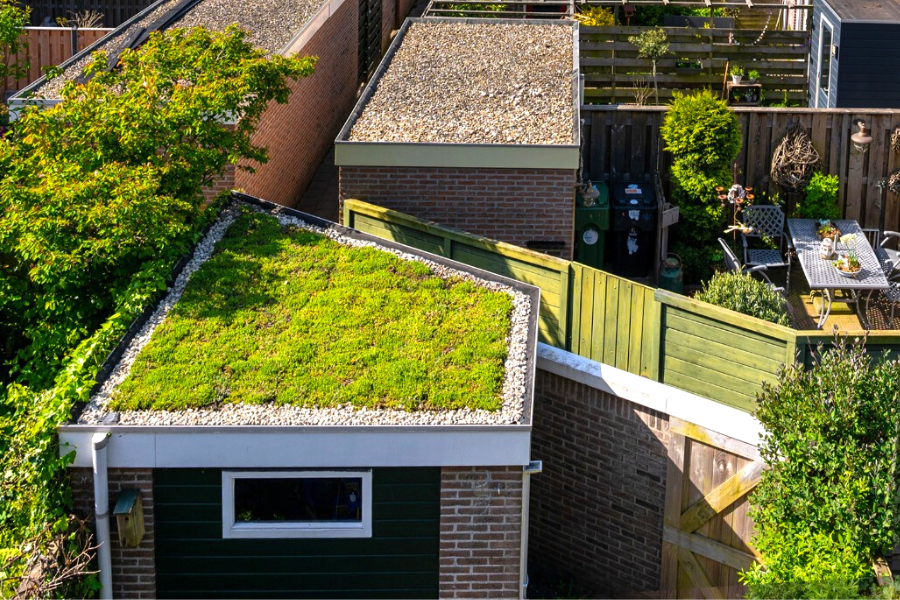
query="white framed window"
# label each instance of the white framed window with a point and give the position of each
(296, 504)
(826, 42)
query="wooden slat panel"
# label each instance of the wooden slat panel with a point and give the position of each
(401, 556)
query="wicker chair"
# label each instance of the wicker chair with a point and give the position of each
(767, 221)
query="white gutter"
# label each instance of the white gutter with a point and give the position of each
(101, 511)
(533, 467)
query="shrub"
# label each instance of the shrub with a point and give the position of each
(595, 16)
(746, 295)
(828, 503)
(821, 198)
(704, 137)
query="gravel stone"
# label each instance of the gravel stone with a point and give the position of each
(513, 391)
(497, 83)
(271, 23)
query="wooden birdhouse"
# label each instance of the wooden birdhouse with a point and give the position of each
(129, 512)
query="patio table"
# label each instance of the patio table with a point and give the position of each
(825, 279)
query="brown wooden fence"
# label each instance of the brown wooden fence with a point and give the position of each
(610, 64)
(694, 346)
(622, 142)
(50, 46)
(115, 12)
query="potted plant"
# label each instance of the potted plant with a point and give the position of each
(753, 75)
(848, 264)
(737, 73)
(827, 229)
(688, 66)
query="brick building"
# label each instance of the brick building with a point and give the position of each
(298, 134)
(440, 508)
(442, 158)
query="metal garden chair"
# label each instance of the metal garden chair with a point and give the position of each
(733, 264)
(767, 221)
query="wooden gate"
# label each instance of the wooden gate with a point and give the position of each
(707, 531)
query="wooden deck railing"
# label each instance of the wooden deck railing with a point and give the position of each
(670, 338)
(610, 63)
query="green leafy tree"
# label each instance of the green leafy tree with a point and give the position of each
(827, 505)
(112, 176)
(13, 42)
(704, 137)
(99, 196)
(652, 44)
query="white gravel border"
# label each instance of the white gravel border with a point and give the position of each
(512, 411)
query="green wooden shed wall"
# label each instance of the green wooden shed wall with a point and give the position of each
(400, 560)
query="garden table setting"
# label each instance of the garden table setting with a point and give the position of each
(825, 277)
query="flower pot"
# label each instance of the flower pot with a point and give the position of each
(736, 79)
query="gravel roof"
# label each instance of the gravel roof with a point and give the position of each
(271, 23)
(513, 390)
(483, 83)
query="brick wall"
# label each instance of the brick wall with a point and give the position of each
(596, 514)
(481, 520)
(225, 183)
(134, 569)
(388, 22)
(511, 205)
(300, 133)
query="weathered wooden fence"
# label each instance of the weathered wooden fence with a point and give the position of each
(610, 63)
(666, 337)
(707, 530)
(115, 12)
(623, 142)
(50, 46)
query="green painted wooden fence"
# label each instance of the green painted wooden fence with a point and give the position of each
(691, 345)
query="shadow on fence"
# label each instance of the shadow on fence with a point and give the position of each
(676, 340)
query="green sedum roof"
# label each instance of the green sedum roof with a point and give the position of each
(282, 314)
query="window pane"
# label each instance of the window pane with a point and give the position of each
(304, 499)
(825, 58)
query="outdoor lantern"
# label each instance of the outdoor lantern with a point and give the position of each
(861, 139)
(590, 194)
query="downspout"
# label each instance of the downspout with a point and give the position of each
(533, 467)
(101, 512)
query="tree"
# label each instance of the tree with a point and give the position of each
(112, 176)
(13, 43)
(99, 196)
(654, 45)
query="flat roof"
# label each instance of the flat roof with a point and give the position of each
(228, 347)
(887, 11)
(468, 81)
(271, 24)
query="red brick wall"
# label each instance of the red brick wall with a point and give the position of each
(300, 133)
(225, 183)
(596, 514)
(134, 569)
(388, 22)
(511, 205)
(403, 8)
(481, 520)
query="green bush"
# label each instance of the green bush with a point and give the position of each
(704, 137)
(821, 198)
(746, 295)
(827, 506)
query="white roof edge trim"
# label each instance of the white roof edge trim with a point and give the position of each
(644, 392)
(306, 447)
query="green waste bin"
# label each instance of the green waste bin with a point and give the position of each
(591, 224)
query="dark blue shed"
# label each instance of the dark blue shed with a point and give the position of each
(855, 54)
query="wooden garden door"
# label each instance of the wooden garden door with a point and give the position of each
(707, 531)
